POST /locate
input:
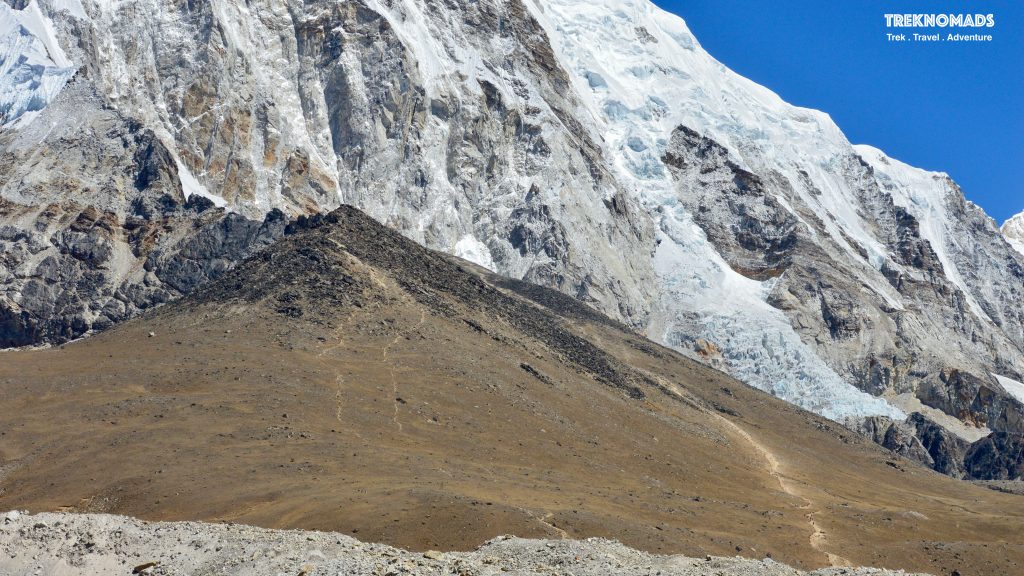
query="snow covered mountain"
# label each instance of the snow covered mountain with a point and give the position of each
(593, 147)
(1013, 231)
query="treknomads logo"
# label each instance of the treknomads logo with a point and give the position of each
(939, 21)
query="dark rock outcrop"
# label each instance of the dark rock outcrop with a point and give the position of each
(896, 436)
(759, 235)
(101, 270)
(1000, 456)
(82, 254)
(945, 449)
(972, 399)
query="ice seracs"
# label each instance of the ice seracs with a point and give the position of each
(33, 66)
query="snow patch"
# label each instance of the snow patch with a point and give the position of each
(190, 185)
(73, 7)
(1012, 387)
(1017, 245)
(469, 248)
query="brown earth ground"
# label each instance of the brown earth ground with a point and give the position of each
(349, 380)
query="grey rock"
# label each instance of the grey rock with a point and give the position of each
(1000, 456)
(945, 449)
(113, 544)
(72, 268)
(897, 437)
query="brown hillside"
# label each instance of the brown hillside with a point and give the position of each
(348, 379)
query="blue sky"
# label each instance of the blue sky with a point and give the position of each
(957, 108)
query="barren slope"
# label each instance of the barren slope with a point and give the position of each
(347, 379)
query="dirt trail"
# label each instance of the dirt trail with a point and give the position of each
(817, 538)
(546, 521)
(337, 341)
(391, 367)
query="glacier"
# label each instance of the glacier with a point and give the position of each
(642, 73)
(33, 66)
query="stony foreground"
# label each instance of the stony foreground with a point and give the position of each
(73, 544)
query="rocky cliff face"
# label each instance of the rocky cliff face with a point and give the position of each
(593, 147)
(74, 269)
(461, 133)
(997, 456)
(95, 227)
(908, 304)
